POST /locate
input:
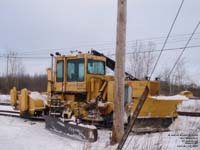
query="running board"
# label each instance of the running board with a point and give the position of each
(77, 131)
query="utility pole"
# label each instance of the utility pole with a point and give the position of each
(118, 116)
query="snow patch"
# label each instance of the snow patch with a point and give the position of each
(84, 125)
(7, 108)
(4, 98)
(174, 97)
(189, 106)
(38, 96)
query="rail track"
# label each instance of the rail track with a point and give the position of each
(5, 104)
(193, 114)
(9, 113)
(16, 113)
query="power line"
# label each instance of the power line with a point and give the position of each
(186, 46)
(128, 53)
(165, 42)
(131, 46)
(31, 51)
(168, 49)
(125, 136)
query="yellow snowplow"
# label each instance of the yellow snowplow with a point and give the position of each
(80, 95)
(79, 87)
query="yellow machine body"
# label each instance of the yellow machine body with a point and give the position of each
(152, 108)
(28, 106)
(77, 96)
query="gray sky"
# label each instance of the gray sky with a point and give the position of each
(36, 28)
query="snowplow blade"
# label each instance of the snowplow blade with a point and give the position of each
(77, 131)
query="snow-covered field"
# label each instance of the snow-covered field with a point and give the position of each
(20, 134)
(191, 105)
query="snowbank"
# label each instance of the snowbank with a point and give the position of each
(186, 123)
(174, 97)
(4, 98)
(7, 108)
(189, 106)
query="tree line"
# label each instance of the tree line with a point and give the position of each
(33, 83)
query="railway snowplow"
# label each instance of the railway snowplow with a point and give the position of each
(80, 97)
(79, 88)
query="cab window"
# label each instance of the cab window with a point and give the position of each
(75, 70)
(96, 67)
(59, 70)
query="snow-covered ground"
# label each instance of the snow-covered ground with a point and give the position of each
(20, 134)
(7, 108)
(4, 98)
(191, 105)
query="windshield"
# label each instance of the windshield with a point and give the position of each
(75, 70)
(96, 67)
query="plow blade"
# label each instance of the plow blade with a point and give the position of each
(77, 131)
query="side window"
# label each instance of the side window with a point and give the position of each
(59, 71)
(96, 67)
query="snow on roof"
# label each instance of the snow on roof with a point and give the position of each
(174, 97)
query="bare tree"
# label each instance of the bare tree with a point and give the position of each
(141, 61)
(174, 80)
(15, 69)
(15, 65)
(178, 77)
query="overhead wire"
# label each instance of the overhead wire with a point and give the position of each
(165, 42)
(186, 46)
(127, 53)
(162, 49)
(39, 51)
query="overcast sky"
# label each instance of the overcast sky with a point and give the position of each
(38, 27)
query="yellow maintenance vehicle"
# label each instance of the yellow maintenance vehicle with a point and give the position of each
(79, 88)
(80, 95)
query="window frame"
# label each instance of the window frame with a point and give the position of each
(77, 62)
(97, 61)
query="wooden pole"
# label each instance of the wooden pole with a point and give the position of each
(118, 117)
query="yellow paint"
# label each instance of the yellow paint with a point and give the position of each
(154, 108)
(13, 96)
